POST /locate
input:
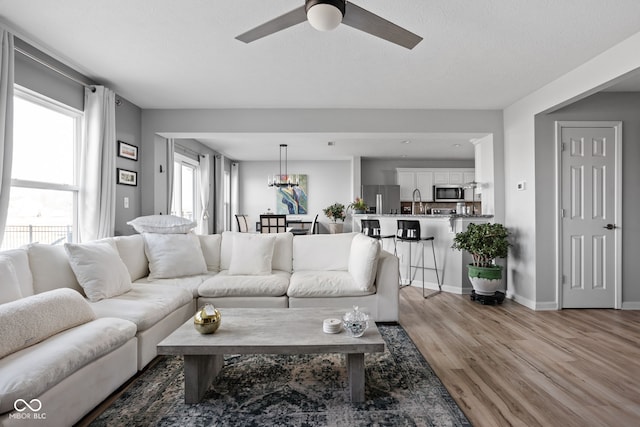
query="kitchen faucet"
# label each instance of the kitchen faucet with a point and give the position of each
(413, 202)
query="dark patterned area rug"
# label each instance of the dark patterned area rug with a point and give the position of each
(283, 390)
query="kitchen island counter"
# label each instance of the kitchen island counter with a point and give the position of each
(451, 263)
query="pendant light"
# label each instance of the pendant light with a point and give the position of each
(283, 180)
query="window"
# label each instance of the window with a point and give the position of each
(185, 187)
(44, 188)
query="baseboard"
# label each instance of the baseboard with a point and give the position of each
(533, 305)
(631, 305)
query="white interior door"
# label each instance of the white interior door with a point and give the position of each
(590, 214)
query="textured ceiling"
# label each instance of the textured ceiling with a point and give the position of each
(480, 54)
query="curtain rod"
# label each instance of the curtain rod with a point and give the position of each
(188, 150)
(51, 67)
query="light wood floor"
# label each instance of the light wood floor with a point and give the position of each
(507, 365)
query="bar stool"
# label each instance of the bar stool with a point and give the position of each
(409, 232)
(371, 228)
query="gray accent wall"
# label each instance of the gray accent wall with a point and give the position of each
(37, 77)
(128, 130)
(607, 106)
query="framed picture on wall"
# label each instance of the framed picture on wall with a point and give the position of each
(127, 151)
(126, 177)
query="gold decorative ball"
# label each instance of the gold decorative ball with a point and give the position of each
(207, 320)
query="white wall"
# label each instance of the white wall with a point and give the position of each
(128, 130)
(521, 163)
(328, 182)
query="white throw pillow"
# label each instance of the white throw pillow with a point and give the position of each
(99, 269)
(162, 224)
(9, 285)
(210, 245)
(50, 268)
(37, 317)
(363, 261)
(173, 255)
(252, 254)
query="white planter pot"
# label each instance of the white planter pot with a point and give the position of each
(485, 280)
(485, 286)
(335, 227)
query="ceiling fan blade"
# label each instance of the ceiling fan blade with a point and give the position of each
(282, 22)
(363, 20)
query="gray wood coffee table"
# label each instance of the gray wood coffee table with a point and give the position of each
(267, 331)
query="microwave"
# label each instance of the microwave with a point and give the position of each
(448, 193)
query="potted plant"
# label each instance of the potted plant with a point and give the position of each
(358, 206)
(335, 212)
(485, 242)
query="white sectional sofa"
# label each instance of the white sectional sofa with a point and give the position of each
(105, 331)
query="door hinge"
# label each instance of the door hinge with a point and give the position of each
(563, 213)
(564, 279)
(563, 146)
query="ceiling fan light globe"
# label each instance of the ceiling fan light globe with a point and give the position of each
(324, 17)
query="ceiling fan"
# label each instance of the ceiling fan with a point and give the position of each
(325, 15)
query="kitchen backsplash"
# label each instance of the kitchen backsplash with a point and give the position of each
(405, 207)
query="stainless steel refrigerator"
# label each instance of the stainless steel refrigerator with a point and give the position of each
(390, 195)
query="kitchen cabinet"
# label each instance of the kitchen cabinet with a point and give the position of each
(469, 176)
(407, 182)
(468, 192)
(410, 179)
(456, 178)
(424, 183)
(424, 179)
(441, 178)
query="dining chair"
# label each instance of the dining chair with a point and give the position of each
(243, 223)
(273, 223)
(305, 231)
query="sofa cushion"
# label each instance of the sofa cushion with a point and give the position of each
(28, 373)
(20, 259)
(99, 269)
(320, 252)
(162, 224)
(50, 268)
(324, 284)
(363, 261)
(190, 283)
(173, 255)
(210, 245)
(28, 321)
(252, 254)
(131, 251)
(9, 284)
(144, 305)
(225, 285)
(282, 251)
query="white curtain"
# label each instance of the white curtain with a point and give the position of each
(97, 197)
(6, 124)
(171, 149)
(205, 190)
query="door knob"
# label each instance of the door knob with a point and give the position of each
(610, 226)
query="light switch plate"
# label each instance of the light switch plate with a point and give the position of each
(126, 203)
